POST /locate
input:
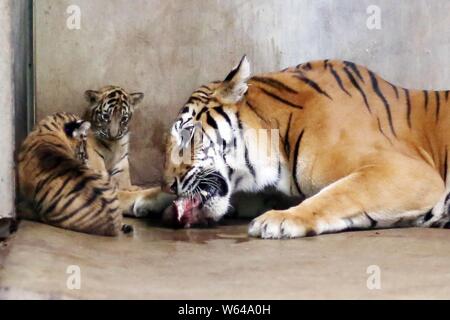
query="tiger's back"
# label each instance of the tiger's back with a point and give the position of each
(58, 187)
(348, 109)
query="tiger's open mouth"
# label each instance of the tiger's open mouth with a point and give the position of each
(187, 212)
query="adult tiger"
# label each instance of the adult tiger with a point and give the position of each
(365, 153)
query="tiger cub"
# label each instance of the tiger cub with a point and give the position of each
(110, 111)
(78, 179)
(62, 182)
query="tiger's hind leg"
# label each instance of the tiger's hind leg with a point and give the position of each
(140, 203)
(393, 191)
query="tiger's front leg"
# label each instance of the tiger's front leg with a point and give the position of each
(385, 193)
(142, 202)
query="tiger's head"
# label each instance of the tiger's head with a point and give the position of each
(110, 111)
(201, 150)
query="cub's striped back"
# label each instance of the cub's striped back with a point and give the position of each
(58, 187)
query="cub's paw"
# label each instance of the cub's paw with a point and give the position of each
(279, 225)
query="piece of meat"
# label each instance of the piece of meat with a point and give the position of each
(184, 208)
(184, 212)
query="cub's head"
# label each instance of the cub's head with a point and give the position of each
(199, 153)
(110, 111)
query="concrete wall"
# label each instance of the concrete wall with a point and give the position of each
(168, 48)
(7, 113)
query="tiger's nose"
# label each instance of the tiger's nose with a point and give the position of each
(114, 129)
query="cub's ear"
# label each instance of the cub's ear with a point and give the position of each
(92, 96)
(83, 129)
(77, 129)
(235, 85)
(136, 98)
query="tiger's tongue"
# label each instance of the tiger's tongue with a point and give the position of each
(184, 208)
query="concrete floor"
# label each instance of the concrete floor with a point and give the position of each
(222, 263)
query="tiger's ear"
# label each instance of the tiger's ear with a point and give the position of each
(136, 98)
(234, 87)
(82, 130)
(77, 129)
(92, 96)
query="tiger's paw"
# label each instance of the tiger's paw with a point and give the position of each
(279, 225)
(145, 206)
(133, 188)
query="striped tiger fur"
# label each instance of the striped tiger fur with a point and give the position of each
(76, 178)
(363, 152)
(110, 111)
(62, 183)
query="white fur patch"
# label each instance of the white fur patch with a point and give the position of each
(276, 228)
